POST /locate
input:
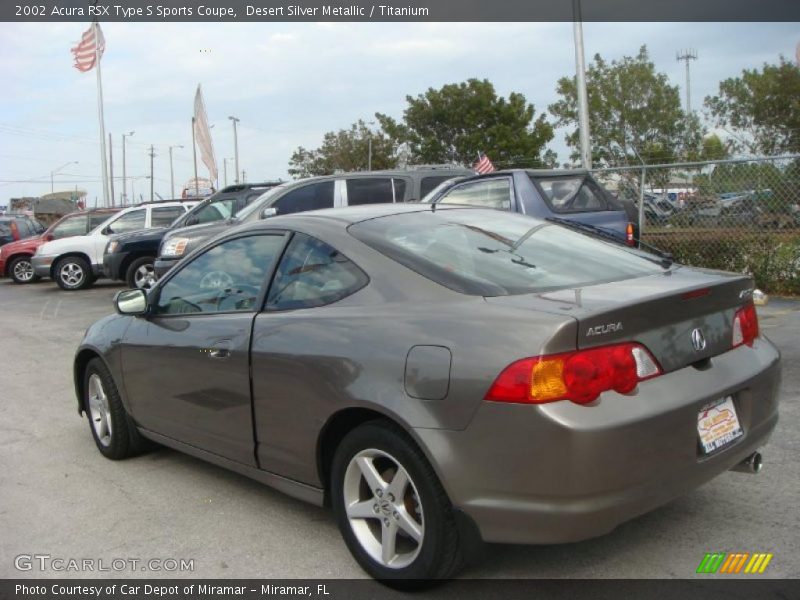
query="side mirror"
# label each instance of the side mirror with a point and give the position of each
(49, 237)
(131, 302)
(192, 221)
(107, 230)
(269, 212)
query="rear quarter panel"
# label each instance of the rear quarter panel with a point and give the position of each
(310, 364)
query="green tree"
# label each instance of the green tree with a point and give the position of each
(632, 109)
(713, 148)
(344, 150)
(454, 123)
(761, 108)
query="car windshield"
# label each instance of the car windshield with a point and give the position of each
(250, 212)
(492, 253)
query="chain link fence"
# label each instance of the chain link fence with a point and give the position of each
(736, 215)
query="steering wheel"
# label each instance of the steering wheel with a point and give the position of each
(216, 280)
(239, 297)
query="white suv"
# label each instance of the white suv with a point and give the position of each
(74, 263)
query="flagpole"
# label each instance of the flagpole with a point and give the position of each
(194, 155)
(103, 162)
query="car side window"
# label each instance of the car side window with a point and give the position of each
(428, 183)
(128, 222)
(308, 197)
(72, 226)
(226, 278)
(489, 193)
(95, 220)
(369, 190)
(163, 216)
(312, 273)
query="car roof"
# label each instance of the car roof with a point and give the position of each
(348, 215)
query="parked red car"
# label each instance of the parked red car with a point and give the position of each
(15, 257)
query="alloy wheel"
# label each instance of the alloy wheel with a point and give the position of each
(145, 276)
(99, 410)
(383, 508)
(71, 274)
(23, 271)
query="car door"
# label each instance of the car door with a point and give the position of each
(127, 221)
(186, 366)
(493, 192)
(297, 372)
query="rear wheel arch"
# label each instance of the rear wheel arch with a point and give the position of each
(334, 431)
(343, 422)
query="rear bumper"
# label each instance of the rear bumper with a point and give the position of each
(562, 473)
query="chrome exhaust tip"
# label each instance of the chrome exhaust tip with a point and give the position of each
(751, 464)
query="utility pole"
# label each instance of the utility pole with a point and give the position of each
(124, 196)
(244, 179)
(686, 56)
(172, 173)
(580, 78)
(111, 167)
(235, 148)
(152, 156)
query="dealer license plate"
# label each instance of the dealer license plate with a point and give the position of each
(718, 425)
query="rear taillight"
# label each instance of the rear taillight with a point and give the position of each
(745, 326)
(577, 376)
(629, 239)
(14, 230)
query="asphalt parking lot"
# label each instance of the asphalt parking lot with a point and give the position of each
(60, 497)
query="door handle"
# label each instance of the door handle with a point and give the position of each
(219, 350)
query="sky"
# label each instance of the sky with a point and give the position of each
(289, 83)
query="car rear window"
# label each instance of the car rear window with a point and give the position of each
(572, 194)
(493, 253)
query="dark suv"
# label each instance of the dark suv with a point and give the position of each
(129, 257)
(15, 227)
(330, 191)
(567, 196)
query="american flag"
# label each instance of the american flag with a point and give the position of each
(483, 165)
(91, 40)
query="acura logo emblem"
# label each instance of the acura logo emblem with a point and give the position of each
(698, 340)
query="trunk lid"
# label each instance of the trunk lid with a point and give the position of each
(662, 311)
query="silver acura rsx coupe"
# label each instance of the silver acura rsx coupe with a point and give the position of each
(439, 375)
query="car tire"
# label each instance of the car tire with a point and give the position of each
(140, 273)
(366, 516)
(20, 269)
(73, 273)
(112, 429)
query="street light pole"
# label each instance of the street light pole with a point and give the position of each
(235, 148)
(171, 172)
(369, 151)
(580, 78)
(124, 196)
(52, 173)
